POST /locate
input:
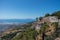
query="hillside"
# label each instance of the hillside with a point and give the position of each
(45, 28)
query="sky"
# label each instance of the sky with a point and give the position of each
(27, 9)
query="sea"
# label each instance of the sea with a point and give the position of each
(6, 23)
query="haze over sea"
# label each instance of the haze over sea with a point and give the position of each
(17, 21)
(6, 23)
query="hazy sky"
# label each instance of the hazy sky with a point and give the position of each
(23, 9)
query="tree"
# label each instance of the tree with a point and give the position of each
(40, 18)
(36, 19)
(56, 14)
(46, 15)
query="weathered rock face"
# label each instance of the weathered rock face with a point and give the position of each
(58, 38)
(39, 37)
(50, 31)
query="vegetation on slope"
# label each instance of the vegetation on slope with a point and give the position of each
(31, 34)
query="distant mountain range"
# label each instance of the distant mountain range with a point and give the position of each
(11, 21)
